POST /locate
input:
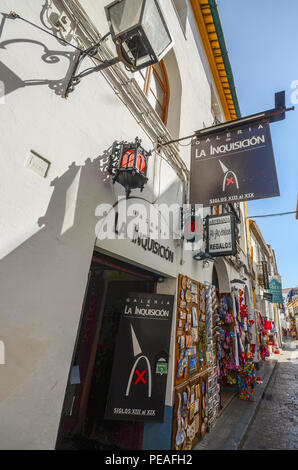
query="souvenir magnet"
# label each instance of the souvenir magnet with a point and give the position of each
(192, 397)
(188, 296)
(192, 412)
(194, 288)
(194, 316)
(182, 315)
(197, 423)
(184, 282)
(197, 405)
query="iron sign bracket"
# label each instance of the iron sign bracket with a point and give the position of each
(271, 115)
(75, 78)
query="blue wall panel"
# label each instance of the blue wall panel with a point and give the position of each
(158, 436)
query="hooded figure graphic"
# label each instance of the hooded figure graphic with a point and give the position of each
(229, 178)
(139, 355)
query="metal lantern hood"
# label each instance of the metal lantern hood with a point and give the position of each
(139, 31)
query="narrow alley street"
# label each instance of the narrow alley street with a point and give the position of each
(275, 424)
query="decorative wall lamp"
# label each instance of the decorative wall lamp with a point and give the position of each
(128, 165)
(139, 32)
(191, 225)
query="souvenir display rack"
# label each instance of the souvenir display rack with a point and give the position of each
(213, 354)
(195, 302)
(190, 350)
(214, 377)
(237, 369)
(190, 412)
(211, 330)
(226, 353)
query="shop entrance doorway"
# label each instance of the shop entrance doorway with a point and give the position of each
(82, 424)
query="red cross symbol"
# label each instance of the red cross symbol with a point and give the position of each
(140, 376)
(230, 181)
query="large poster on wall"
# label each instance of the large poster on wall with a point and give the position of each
(140, 369)
(232, 166)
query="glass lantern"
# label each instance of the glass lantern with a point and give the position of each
(128, 165)
(139, 31)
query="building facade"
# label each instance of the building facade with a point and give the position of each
(61, 278)
(264, 268)
(291, 311)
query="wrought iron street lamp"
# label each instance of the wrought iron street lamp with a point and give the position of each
(128, 165)
(140, 34)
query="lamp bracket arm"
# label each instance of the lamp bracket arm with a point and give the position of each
(75, 77)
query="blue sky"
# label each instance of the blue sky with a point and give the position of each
(262, 41)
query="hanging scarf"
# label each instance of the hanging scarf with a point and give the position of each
(235, 331)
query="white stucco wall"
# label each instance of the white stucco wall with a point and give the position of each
(48, 224)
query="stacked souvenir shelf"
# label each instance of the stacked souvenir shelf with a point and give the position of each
(212, 346)
(226, 352)
(190, 412)
(213, 397)
(213, 392)
(190, 330)
(243, 324)
(191, 381)
(235, 358)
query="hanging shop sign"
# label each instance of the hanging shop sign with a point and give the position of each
(267, 296)
(139, 375)
(275, 286)
(221, 235)
(265, 274)
(235, 165)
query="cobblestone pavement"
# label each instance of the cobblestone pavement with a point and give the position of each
(276, 423)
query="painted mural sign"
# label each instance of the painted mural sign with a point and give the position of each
(140, 370)
(275, 287)
(232, 166)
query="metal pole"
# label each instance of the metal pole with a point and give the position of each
(232, 124)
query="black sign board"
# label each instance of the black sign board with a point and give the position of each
(267, 296)
(139, 375)
(221, 235)
(232, 166)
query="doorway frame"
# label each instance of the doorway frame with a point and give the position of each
(98, 259)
